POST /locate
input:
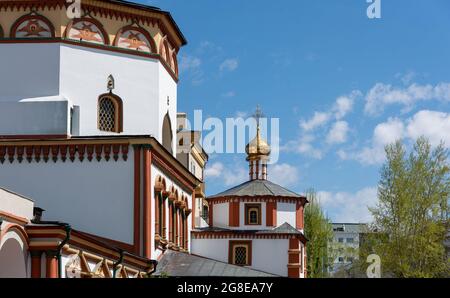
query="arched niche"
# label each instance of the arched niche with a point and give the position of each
(32, 26)
(13, 253)
(87, 30)
(135, 38)
(167, 134)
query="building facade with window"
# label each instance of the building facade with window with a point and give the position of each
(88, 112)
(257, 224)
(345, 244)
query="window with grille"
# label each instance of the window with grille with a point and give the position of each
(240, 253)
(110, 113)
(253, 214)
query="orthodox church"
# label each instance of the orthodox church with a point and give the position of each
(92, 183)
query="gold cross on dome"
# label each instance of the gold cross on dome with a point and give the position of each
(258, 114)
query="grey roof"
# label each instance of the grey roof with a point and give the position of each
(283, 229)
(255, 188)
(177, 264)
(350, 227)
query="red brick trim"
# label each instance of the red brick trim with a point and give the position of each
(243, 234)
(271, 214)
(137, 199)
(233, 211)
(148, 156)
(59, 152)
(294, 258)
(221, 200)
(299, 217)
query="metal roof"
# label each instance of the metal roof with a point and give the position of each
(177, 264)
(255, 188)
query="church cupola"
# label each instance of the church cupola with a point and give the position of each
(258, 153)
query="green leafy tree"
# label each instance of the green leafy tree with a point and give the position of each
(319, 231)
(411, 213)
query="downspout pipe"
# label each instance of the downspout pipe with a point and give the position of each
(116, 264)
(68, 230)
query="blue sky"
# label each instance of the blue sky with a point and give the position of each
(342, 85)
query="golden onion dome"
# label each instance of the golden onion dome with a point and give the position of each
(258, 146)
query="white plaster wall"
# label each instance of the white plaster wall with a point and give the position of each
(221, 215)
(80, 75)
(28, 70)
(268, 255)
(286, 213)
(16, 204)
(167, 88)
(94, 197)
(35, 118)
(84, 74)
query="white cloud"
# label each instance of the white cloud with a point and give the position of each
(233, 175)
(349, 207)
(214, 170)
(344, 104)
(382, 95)
(319, 119)
(303, 146)
(431, 124)
(229, 65)
(338, 133)
(283, 174)
(384, 133)
(189, 63)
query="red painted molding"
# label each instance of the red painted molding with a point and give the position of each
(141, 30)
(258, 199)
(26, 17)
(147, 202)
(60, 152)
(137, 199)
(233, 212)
(271, 214)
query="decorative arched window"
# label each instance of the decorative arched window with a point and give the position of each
(167, 135)
(32, 26)
(110, 113)
(253, 214)
(87, 30)
(240, 253)
(135, 38)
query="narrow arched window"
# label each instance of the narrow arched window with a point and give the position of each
(167, 135)
(110, 113)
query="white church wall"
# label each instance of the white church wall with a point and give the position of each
(94, 197)
(220, 215)
(84, 73)
(167, 104)
(268, 255)
(286, 212)
(13, 256)
(29, 70)
(36, 118)
(18, 205)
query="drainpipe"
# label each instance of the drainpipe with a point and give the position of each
(68, 229)
(119, 262)
(152, 264)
